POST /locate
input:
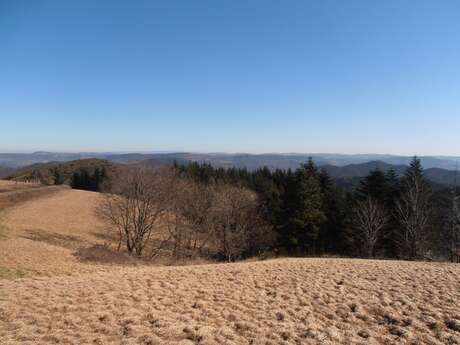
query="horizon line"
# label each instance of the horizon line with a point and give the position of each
(456, 156)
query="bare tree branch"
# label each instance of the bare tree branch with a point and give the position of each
(136, 205)
(370, 218)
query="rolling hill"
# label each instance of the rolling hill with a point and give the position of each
(45, 171)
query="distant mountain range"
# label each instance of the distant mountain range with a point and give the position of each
(347, 170)
(18, 160)
(239, 160)
(352, 173)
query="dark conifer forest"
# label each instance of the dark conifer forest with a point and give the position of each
(385, 216)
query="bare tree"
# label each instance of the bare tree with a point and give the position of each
(239, 227)
(370, 217)
(454, 224)
(136, 205)
(413, 210)
(190, 222)
(196, 207)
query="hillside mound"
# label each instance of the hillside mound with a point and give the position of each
(40, 236)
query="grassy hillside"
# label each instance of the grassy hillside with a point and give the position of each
(52, 294)
(39, 235)
(14, 193)
(287, 301)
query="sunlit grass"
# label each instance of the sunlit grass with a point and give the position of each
(9, 273)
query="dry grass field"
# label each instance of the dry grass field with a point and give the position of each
(13, 193)
(286, 301)
(48, 295)
(40, 234)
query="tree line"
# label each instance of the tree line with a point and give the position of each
(160, 210)
(231, 214)
(85, 179)
(386, 216)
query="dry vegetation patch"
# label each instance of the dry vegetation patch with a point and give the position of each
(68, 212)
(14, 193)
(288, 301)
(41, 235)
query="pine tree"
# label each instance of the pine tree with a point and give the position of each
(374, 186)
(331, 231)
(392, 182)
(389, 233)
(304, 208)
(96, 180)
(76, 180)
(57, 177)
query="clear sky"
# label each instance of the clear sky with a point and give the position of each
(227, 75)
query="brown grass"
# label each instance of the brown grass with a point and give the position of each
(14, 193)
(41, 235)
(288, 301)
(61, 286)
(68, 212)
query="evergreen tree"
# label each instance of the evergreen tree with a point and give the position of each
(57, 177)
(304, 209)
(392, 182)
(389, 233)
(331, 231)
(374, 186)
(96, 180)
(75, 181)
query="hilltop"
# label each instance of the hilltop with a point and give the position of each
(46, 172)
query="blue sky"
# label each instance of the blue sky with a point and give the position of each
(235, 76)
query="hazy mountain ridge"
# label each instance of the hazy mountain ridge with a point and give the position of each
(351, 174)
(346, 176)
(18, 160)
(239, 160)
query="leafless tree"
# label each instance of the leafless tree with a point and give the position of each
(214, 219)
(370, 217)
(238, 226)
(136, 205)
(413, 210)
(190, 223)
(454, 224)
(197, 211)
